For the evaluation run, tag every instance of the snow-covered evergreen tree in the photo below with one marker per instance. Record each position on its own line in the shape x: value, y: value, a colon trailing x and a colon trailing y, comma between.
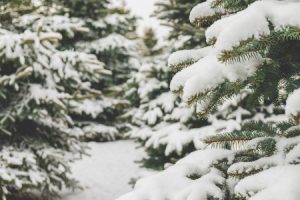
x: 113, y: 40
x: 169, y: 129
x: 106, y: 29
x: 111, y: 36
x: 253, y: 55
x: 161, y: 117
x: 174, y: 14
x: 39, y: 84
x: 157, y: 116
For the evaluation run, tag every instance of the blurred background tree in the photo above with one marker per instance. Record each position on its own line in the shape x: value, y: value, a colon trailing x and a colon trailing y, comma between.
x: 40, y: 83
x: 108, y: 30
x: 175, y: 14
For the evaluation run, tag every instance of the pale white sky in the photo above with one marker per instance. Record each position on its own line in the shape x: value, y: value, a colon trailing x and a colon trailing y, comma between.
x: 144, y: 8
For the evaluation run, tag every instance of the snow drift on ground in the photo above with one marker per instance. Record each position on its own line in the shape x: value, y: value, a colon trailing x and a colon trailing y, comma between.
x: 106, y: 173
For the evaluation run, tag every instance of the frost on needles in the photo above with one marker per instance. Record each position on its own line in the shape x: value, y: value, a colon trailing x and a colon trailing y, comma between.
x: 253, y: 54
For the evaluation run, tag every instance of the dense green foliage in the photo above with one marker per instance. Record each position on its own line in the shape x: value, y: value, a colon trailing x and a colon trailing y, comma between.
x: 257, y: 142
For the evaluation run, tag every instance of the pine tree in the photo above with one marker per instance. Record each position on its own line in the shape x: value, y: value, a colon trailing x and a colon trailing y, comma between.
x: 108, y: 31
x: 156, y: 112
x: 39, y: 83
x: 148, y: 91
x: 170, y: 130
x: 174, y: 14
x: 253, y: 54
x: 113, y: 40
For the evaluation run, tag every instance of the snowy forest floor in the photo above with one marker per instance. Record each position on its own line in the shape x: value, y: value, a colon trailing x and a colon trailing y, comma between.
x: 106, y: 173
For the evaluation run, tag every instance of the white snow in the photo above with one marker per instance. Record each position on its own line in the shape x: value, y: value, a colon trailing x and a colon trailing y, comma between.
x: 91, y: 107
x: 172, y: 130
x: 149, y: 85
x: 253, y: 22
x: 192, y: 56
x: 105, y: 175
x: 203, y: 10
x: 208, y: 73
x: 38, y: 93
x: 175, y: 182
x: 293, y: 103
x: 112, y: 41
x: 152, y: 116
x: 274, y: 184
x: 281, y: 181
x: 96, y: 130
x: 55, y: 23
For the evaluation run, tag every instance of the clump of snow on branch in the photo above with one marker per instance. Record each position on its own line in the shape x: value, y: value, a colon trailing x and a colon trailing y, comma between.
x: 99, y: 132
x: 112, y: 41
x: 208, y: 72
x: 176, y: 182
x: 204, y: 10
x: 187, y: 56
x: 273, y: 184
x: 292, y: 107
x: 253, y: 22
x: 201, y: 76
x: 57, y: 23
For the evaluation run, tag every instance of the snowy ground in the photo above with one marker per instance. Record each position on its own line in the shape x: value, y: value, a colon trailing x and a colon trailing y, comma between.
x: 105, y: 175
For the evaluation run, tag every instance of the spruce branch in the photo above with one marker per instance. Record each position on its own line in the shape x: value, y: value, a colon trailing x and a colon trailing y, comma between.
x: 235, y: 139
x: 293, y: 131
x: 205, y: 21
x: 260, y: 126
x: 253, y: 47
x: 180, y: 66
